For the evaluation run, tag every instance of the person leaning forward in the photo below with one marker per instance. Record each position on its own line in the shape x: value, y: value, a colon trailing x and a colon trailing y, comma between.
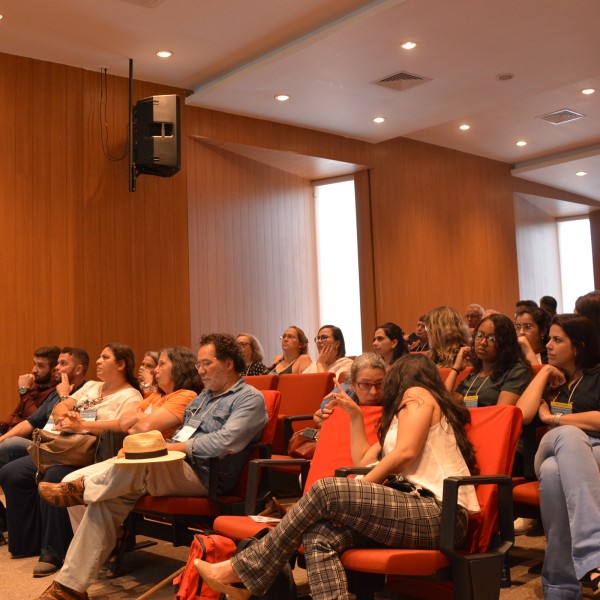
x: 222, y: 421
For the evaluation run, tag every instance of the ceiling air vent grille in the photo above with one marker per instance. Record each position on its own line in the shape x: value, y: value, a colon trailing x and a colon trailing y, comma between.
x: 559, y: 117
x: 402, y: 81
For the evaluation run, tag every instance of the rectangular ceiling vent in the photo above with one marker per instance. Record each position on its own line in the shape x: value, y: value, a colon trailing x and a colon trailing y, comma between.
x: 402, y: 81
x: 145, y: 3
x: 559, y: 117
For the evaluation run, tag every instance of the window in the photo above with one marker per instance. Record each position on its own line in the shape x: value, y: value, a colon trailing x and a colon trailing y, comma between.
x: 576, y: 266
x: 337, y: 254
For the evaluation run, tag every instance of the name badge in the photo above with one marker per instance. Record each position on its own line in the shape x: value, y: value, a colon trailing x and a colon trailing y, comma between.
x: 49, y: 426
x: 88, y: 415
x: 186, y: 432
x: 561, y: 408
x: 471, y: 401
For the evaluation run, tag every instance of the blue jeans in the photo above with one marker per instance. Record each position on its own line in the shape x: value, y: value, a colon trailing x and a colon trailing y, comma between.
x: 13, y: 447
x: 566, y: 464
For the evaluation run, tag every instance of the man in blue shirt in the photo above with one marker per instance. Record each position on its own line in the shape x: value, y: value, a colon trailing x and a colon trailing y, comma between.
x: 221, y: 422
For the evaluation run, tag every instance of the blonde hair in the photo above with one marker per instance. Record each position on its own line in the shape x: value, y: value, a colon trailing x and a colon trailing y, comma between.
x: 447, y: 334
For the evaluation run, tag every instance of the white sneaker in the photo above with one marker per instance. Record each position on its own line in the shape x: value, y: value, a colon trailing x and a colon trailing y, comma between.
x: 522, y: 526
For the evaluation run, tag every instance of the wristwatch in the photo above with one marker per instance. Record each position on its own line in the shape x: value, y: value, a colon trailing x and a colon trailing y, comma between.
x: 23, y: 390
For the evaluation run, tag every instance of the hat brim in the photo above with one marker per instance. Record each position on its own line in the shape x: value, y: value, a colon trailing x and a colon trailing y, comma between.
x: 172, y: 455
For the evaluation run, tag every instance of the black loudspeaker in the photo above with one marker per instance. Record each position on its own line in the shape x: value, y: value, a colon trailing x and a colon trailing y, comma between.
x: 157, y: 134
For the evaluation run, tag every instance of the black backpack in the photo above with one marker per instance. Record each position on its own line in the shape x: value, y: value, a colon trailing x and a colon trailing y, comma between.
x: 284, y: 587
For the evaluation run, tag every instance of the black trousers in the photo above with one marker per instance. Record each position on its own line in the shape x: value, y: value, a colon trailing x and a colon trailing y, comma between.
x: 34, y: 526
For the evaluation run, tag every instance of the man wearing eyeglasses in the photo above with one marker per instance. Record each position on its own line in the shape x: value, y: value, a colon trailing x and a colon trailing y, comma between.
x: 221, y: 422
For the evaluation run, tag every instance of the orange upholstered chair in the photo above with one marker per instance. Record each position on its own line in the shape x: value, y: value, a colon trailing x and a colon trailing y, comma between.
x: 169, y: 517
x: 301, y: 395
x: 263, y: 382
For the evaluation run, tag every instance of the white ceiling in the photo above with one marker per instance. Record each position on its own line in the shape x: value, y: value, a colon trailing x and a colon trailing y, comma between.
x: 237, y: 54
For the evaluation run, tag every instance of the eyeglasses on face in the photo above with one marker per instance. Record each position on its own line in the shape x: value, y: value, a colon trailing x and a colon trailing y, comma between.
x: 524, y: 326
x: 204, y: 364
x: 322, y: 338
x: 243, y: 344
x: 491, y: 339
x: 472, y: 316
x: 288, y: 336
x: 365, y: 386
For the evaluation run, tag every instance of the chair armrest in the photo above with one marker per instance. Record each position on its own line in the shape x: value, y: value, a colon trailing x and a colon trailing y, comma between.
x: 345, y: 471
x: 266, y: 463
x: 288, y: 429
x: 450, y: 507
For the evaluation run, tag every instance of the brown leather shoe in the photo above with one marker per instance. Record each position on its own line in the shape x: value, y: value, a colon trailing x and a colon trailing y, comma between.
x: 57, y: 591
x: 67, y: 493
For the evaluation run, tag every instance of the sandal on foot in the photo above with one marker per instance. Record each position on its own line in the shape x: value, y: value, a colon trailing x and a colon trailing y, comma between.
x: 115, y: 560
x: 205, y: 570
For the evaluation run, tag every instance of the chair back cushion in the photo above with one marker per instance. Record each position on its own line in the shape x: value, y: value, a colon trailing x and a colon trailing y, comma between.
x: 262, y: 382
x: 272, y: 404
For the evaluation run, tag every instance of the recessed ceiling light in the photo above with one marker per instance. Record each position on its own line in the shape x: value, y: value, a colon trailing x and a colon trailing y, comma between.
x: 464, y: 127
x: 378, y: 119
x: 164, y: 53
x: 408, y: 45
x: 581, y: 173
x: 521, y: 143
x: 282, y: 97
x: 588, y: 91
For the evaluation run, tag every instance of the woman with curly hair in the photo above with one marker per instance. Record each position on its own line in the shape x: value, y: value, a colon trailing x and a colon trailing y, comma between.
x: 447, y: 334
x: 294, y: 358
x: 500, y: 371
x: 422, y: 437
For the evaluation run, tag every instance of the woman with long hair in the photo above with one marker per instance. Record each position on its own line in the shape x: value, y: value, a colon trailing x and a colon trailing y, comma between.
x: 447, y: 334
x: 389, y: 342
x: 565, y: 394
x: 421, y: 437
x: 500, y: 371
x: 253, y: 354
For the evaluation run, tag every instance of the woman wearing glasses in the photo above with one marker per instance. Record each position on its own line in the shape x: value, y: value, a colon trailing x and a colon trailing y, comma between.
x: 500, y: 371
x: 332, y: 352
x: 294, y: 358
x: 252, y: 353
x: 364, y: 386
x: 533, y: 326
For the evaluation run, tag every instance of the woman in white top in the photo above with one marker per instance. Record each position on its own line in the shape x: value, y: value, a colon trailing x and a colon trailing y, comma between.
x: 332, y: 352
x: 421, y: 437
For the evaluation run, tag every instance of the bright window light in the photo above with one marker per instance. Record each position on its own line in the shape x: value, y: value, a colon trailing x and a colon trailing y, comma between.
x: 576, y: 267
x: 337, y: 252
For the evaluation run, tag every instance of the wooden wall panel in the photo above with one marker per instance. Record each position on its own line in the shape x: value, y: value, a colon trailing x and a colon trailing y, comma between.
x: 537, y: 252
x: 83, y: 260
x: 252, y: 247
x: 595, y: 236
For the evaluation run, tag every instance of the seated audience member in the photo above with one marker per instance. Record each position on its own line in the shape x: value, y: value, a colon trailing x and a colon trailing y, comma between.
x: 447, y: 334
x: 421, y: 343
x: 35, y: 526
x: 178, y: 383
x: 34, y: 387
x: 549, y: 304
x: 71, y: 369
x: 588, y: 305
x: 533, y: 326
x: 364, y: 386
x: 295, y: 358
x: 500, y: 372
x: 421, y: 436
x: 473, y: 316
x: 565, y: 394
x: 332, y: 352
x: 252, y: 353
x: 146, y: 372
x: 389, y: 343
x: 227, y: 416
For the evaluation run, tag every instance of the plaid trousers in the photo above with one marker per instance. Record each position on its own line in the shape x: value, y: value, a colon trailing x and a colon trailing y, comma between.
x: 334, y: 515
